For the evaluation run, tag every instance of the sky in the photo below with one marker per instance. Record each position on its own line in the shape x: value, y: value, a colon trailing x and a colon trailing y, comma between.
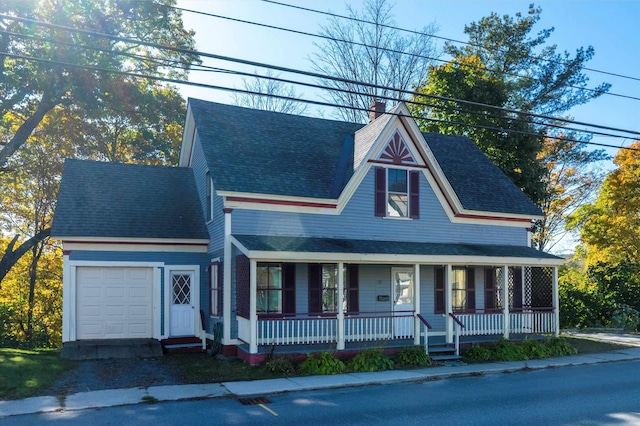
x: 611, y: 27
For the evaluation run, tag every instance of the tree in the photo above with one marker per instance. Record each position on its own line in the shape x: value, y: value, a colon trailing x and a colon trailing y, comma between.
x: 571, y: 178
x: 375, y: 53
x: 269, y: 94
x: 504, y: 66
x: 32, y: 87
x: 122, y: 117
x: 539, y: 79
x: 468, y: 78
x: 609, y: 226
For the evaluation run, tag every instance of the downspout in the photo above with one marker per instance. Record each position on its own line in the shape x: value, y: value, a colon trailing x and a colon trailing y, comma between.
x: 416, y: 305
x: 449, y: 302
x: 226, y: 289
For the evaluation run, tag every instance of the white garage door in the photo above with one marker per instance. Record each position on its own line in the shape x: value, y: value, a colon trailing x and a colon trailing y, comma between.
x: 114, y: 303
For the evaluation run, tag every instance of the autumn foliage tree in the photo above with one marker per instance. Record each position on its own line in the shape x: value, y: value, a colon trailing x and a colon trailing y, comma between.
x: 64, y: 58
x: 609, y: 226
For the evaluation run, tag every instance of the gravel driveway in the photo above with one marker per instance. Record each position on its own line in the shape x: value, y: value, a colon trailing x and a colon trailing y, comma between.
x: 116, y: 373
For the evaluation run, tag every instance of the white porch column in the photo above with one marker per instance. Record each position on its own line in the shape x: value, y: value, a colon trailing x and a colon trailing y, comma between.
x: 416, y: 304
x: 505, y: 300
x: 449, y: 301
x: 556, y: 301
x: 226, y: 279
x: 340, y: 301
x: 253, y: 315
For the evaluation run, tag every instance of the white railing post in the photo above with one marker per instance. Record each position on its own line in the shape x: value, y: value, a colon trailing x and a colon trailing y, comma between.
x: 457, y: 327
x: 253, y: 315
x: 340, y: 317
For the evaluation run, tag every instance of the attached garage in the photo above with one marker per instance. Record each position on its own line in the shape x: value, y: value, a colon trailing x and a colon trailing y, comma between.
x: 114, y: 302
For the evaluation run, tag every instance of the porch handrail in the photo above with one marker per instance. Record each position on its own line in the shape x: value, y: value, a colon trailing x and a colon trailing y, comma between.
x: 456, y: 320
x: 459, y: 325
x: 427, y: 327
x: 424, y: 321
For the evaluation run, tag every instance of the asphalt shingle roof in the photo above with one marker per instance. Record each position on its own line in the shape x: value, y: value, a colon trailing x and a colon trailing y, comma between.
x: 479, y: 184
x: 331, y: 245
x: 263, y: 152
x: 270, y: 153
x: 100, y: 199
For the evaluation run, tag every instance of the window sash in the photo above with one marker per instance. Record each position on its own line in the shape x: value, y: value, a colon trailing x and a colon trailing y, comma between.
x: 215, y: 290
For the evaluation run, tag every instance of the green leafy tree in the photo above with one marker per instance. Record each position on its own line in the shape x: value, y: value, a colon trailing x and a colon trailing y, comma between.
x: 468, y: 78
x: 506, y: 65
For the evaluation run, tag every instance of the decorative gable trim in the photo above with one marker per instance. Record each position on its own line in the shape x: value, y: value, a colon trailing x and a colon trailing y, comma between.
x: 396, y: 152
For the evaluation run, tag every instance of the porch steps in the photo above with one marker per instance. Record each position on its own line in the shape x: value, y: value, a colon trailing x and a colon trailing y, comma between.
x: 181, y: 345
x: 443, y: 352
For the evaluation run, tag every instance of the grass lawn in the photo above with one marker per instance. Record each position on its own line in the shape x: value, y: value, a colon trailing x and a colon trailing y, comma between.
x: 24, y: 373
x: 588, y: 346
x: 201, y: 368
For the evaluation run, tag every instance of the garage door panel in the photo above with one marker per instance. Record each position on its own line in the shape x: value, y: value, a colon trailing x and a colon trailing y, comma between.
x: 114, y: 302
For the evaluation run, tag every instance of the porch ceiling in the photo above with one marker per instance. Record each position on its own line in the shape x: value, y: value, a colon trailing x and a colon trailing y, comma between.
x: 323, y: 249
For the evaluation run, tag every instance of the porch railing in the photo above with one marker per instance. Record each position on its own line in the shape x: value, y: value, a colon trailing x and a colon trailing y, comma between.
x: 311, y: 329
x: 532, y: 321
x: 526, y: 321
x: 297, y: 330
x: 367, y: 326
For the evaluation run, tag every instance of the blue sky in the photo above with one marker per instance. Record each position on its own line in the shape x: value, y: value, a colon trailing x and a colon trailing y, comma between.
x: 609, y: 26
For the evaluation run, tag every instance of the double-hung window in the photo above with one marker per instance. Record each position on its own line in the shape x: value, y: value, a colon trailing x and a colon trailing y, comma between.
x: 397, y: 192
x: 215, y: 289
x: 269, y: 287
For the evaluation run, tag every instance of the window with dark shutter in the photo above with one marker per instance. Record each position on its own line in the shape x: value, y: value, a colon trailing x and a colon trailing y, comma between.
x: 243, y: 291
x: 353, y: 304
x: 471, y: 289
x: 439, y: 290
x: 315, y: 288
x: 414, y: 194
x: 380, y: 192
x: 489, y: 289
x: 215, y: 289
x: 289, y: 288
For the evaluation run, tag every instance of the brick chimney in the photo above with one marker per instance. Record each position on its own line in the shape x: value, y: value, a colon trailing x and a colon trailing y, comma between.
x: 376, y: 109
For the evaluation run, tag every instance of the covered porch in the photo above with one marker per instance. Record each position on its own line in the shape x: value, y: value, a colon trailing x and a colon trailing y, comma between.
x: 336, y: 295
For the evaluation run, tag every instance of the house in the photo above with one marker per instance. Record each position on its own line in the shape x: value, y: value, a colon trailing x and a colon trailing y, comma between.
x: 290, y: 234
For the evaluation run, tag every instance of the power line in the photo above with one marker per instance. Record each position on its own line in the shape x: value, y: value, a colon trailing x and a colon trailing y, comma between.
x: 317, y: 75
x: 435, y: 36
x: 385, y: 49
x: 203, y: 68
x: 309, y: 101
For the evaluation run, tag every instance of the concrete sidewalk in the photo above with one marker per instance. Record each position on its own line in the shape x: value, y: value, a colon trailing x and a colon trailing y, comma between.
x: 115, y: 397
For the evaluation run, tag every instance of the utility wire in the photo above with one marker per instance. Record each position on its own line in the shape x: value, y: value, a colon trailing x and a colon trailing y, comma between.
x: 385, y: 49
x: 289, y: 98
x: 314, y: 74
x: 435, y: 36
x: 204, y: 68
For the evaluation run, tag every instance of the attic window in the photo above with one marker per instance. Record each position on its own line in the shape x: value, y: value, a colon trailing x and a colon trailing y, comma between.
x: 397, y: 193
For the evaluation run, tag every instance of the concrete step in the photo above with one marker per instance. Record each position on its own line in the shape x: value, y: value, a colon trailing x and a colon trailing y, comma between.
x: 182, y: 345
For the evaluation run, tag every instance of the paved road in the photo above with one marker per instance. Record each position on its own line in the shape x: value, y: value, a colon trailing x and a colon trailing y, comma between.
x: 599, y: 394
